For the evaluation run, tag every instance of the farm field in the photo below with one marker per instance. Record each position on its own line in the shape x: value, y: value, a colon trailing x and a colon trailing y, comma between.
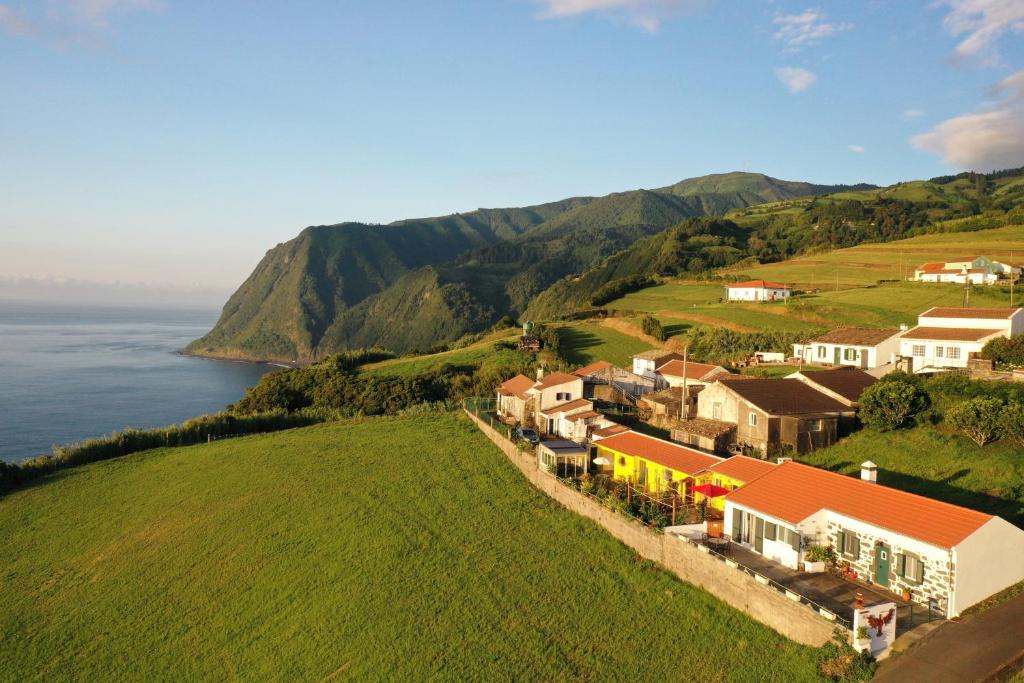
x: 930, y: 461
x: 473, y: 354
x: 584, y: 343
x: 868, y: 263
x: 394, y: 548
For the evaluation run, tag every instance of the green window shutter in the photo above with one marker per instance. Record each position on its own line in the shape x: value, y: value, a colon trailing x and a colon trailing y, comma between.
x: 901, y: 565
x: 840, y: 542
x: 856, y: 547
x: 737, y: 524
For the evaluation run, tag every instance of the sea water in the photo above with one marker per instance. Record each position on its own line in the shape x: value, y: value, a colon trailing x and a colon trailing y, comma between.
x: 68, y: 373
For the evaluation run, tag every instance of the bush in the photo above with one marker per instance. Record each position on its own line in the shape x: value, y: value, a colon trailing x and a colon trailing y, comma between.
x: 614, y: 289
x: 1011, y: 422
x: 1005, y: 352
x: 652, y: 326
x: 891, y: 404
x: 821, y: 553
x: 719, y: 345
x: 978, y: 419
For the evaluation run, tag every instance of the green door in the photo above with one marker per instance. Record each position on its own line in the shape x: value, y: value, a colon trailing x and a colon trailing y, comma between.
x: 882, y: 555
x: 758, y: 534
x: 836, y: 355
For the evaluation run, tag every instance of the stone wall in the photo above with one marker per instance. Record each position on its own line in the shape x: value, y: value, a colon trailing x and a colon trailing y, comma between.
x: 682, y: 558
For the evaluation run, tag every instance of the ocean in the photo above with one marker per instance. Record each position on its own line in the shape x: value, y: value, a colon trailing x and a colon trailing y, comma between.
x: 68, y: 373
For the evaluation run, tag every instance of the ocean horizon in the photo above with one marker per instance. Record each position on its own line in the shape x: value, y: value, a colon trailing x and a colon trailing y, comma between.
x: 74, y: 372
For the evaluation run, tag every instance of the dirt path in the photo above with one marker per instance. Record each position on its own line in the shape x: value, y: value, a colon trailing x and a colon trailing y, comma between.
x: 705, y: 320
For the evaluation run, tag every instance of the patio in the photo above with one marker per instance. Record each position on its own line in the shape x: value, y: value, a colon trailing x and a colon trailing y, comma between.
x: 832, y: 592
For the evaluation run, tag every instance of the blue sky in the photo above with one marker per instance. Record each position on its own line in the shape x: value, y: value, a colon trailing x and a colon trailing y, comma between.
x: 170, y: 143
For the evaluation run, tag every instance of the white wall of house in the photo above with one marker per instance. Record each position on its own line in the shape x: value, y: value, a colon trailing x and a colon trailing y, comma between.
x: 1011, y: 326
x: 939, y: 354
x: 987, y: 561
x: 559, y: 393
x: 756, y: 294
x: 960, y: 278
x: 644, y: 367
x: 854, y: 356
x: 676, y: 381
x: 777, y: 551
x: 715, y: 402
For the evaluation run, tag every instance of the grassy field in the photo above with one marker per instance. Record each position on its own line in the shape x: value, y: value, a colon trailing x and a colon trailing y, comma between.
x: 473, y: 354
x: 387, y: 549
x: 583, y: 343
x: 929, y: 461
x: 868, y: 263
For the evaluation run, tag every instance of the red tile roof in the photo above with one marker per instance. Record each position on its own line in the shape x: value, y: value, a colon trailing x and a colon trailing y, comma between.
x: 969, y: 313
x: 932, y: 267
x: 949, y: 333
x: 665, y: 453
x: 583, y: 416
x: 610, y: 430
x: 566, y: 407
x: 674, y: 368
x: 516, y: 386
x: 793, y: 492
x: 593, y: 368
x: 742, y: 467
x: 758, y: 283
x: 855, y: 336
x: 554, y: 379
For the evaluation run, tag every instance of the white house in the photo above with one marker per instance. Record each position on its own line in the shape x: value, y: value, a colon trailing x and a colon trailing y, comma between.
x: 853, y: 346
x: 757, y: 290
x: 646, y: 363
x: 978, y: 270
x: 603, y: 372
x: 945, y: 555
x: 524, y: 400
x: 945, y: 338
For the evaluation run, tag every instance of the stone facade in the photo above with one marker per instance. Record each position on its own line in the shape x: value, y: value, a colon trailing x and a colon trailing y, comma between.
x: 938, y: 575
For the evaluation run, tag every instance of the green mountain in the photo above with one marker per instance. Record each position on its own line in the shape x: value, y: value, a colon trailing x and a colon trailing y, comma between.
x: 415, y: 283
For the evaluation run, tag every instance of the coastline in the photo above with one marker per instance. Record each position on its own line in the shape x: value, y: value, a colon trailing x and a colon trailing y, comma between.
x: 240, y: 358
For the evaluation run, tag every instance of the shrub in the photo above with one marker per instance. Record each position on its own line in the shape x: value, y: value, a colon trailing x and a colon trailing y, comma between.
x: 652, y: 326
x: 1005, y: 352
x: 1011, y: 422
x: 821, y: 553
x: 614, y: 289
x: 978, y: 419
x: 891, y: 404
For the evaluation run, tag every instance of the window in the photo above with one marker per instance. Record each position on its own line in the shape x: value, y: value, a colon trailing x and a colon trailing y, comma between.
x: 848, y: 544
x: 753, y: 419
x: 938, y: 352
x: 716, y: 411
x: 563, y: 396
x: 792, y: 537
x: 953, y: 352
x: 622, y: 461
x: 770, y: 530
x: 910, y: 567
x: 821, y: 352
x: 918, y: 350
x: 849, y: 354
x: 814, y: 425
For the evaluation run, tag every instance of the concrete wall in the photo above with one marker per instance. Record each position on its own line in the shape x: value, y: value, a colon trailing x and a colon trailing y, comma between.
x: 685, y: 560
x: 987, y: 561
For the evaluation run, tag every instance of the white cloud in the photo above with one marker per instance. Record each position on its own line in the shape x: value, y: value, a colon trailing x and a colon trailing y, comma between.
x: 644, y: 14
x: 910, y: 114
x: 859, y: 149
x: 986, y: 140
x: 798, y: 30
x: 982, y: 23
x: 67, y: 23
x: 795, y: 78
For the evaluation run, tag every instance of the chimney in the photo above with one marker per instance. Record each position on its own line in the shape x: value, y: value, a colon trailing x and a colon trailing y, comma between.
x: 540, y: 372
x: 869, y: 472
x: 903, y: 327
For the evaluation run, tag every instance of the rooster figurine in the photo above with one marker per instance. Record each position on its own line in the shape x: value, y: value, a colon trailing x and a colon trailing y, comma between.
x: 882, y: 620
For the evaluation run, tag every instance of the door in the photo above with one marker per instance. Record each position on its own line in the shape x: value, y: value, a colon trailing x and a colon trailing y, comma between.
x: 835, y: 354
x: 882, y: 557
x: 758, y: 534
x: 641, y: 474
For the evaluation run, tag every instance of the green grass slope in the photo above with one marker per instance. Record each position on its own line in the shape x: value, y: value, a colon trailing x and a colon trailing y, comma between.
x: 391, y: 549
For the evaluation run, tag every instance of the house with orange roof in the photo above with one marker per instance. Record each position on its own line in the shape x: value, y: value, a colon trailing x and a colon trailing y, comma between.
x: 524, y: 401
x: 654, y: 464
x: 513, y: 399
x: 946, y: 338
x: 942, y: 554
x: 978, y: 270
x: 714, y: 483
x: 603, y: 373
x: 757, y: 290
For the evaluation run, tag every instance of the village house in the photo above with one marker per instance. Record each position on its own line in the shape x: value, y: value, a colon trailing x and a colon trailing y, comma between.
x: 757, y: 290
x: 524, y: 401
x: 654, y: 464
x: 773, y: 415
x: 851, y: 346
x: 696, y: 376
x: 603, y: 379
x: 646, y: 363
x: 979, y: 270
x: 844, y: 384
x: 944, y: 555
x: 563, y: 458
x: 605, y: 432
x: 945, y: 338
x: 726, y: 476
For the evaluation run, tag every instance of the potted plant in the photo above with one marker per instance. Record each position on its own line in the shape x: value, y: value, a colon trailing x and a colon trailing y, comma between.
x: 906, y: 595
x: 817, y: 557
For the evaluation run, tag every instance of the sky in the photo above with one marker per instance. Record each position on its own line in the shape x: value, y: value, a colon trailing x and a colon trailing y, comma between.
x: 164, y: 145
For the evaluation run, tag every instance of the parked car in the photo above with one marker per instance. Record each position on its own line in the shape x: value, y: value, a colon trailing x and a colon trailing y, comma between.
x: 528, y: 435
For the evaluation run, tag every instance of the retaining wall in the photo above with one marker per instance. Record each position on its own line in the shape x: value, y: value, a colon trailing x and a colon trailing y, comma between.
x: 685, y: 560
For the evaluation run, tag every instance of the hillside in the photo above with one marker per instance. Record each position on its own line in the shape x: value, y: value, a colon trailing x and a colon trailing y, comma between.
x: 322, y: 291
x: 402, y: 548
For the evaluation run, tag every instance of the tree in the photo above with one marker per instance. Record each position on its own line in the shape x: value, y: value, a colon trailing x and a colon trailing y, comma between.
x: 891, y: 404
x: 1011, y: 422
x: 978, y: 419
x: 652, y: 326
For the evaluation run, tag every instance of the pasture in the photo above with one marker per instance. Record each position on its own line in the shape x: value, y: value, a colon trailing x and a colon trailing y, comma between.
x: 381, y: 549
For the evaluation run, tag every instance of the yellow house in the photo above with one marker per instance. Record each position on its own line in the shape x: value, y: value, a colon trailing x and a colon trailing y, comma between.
x: 725, y: 476
x: 654, y: 464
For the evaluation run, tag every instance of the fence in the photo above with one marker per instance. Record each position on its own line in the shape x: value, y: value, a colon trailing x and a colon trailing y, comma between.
x: 742, y: 590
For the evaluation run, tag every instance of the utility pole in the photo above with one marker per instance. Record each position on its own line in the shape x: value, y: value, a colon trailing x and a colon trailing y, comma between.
x: 685, y: 410
x: 1012, y: 279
